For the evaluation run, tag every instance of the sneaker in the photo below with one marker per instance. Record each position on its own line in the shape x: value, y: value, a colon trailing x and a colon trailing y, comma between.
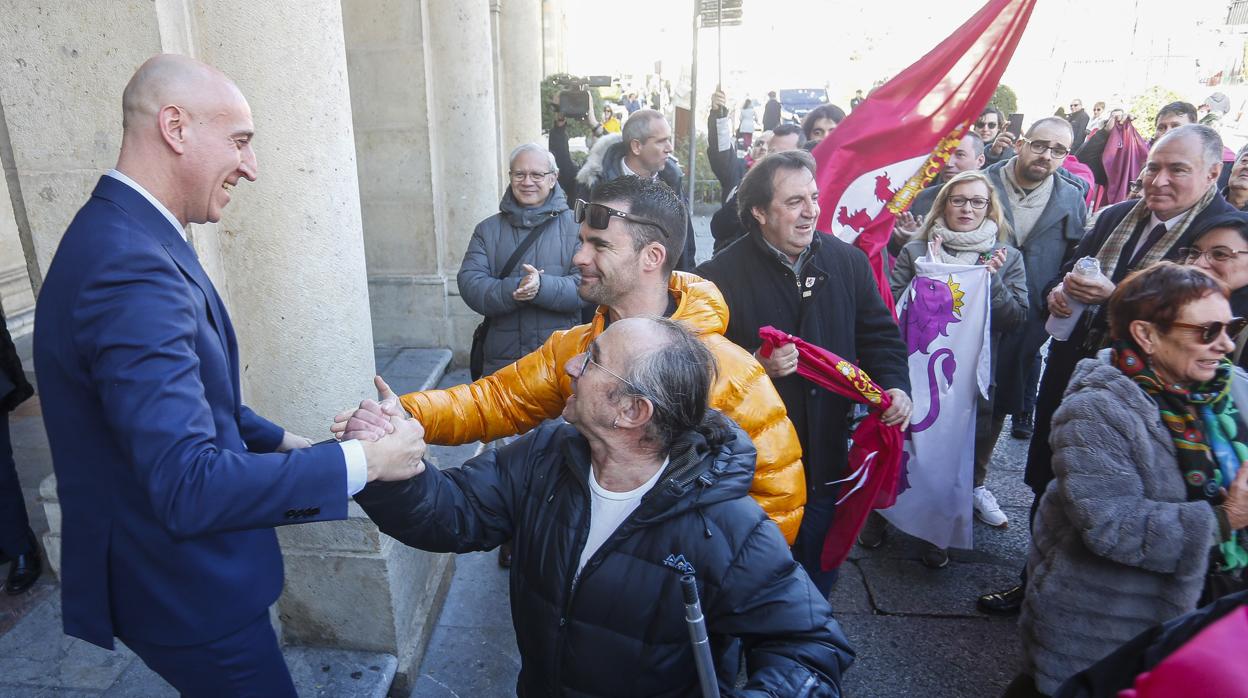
x: 1002, y: 603
x: 873, y: 532
x: 935, y: 557
x: 1024, y: 427
x: 987, y: 509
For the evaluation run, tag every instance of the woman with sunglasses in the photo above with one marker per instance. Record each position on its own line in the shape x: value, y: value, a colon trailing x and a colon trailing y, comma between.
x: 1149, y: 495
x: 1222, y: 250
x: 968, y: 225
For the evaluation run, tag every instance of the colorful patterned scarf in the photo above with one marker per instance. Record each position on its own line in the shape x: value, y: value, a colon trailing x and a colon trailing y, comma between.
x: 1209, y: 433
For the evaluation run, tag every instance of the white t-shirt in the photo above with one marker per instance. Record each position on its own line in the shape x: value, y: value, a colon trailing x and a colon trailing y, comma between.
x: 607, y: 510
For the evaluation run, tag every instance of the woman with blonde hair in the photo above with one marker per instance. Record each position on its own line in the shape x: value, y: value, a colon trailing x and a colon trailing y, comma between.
x: 968, y: 225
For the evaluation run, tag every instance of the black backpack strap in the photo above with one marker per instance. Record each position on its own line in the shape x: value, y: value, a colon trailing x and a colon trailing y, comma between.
x: 523, y: 247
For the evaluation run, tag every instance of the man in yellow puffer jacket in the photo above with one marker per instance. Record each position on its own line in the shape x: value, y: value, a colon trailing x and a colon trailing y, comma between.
x: 626, y: 269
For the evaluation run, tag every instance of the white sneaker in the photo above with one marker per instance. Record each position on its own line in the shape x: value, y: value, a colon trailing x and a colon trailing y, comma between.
x: 987, y: 509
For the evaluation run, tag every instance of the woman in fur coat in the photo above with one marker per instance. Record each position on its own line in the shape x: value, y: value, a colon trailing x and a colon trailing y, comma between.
x: 1147, y: 447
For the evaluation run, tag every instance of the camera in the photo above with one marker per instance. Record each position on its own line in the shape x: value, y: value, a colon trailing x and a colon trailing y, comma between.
x: 574, y: 100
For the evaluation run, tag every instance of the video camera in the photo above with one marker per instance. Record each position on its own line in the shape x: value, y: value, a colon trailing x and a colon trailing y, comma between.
x: 574, y: 99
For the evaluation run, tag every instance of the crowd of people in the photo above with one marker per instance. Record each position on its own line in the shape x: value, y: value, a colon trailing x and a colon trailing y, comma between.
x: 640, y: 432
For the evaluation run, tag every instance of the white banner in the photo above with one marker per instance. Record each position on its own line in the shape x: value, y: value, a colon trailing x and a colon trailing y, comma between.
x: 945, y: 323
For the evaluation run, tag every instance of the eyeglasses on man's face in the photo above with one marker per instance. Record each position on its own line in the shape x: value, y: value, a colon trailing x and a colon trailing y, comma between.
x: 1217, y: 255
x: 519, y: 177
x: 599, y: 216
x: 976, y: 202
x: 1039, y: 147
x: 992, y: 125
x: 589, y: 359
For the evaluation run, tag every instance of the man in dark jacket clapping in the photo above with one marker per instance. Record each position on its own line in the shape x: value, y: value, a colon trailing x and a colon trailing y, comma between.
x: 644, y: 484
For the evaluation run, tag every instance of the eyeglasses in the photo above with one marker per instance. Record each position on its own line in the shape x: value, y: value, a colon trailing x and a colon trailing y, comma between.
x: 1217, y: 254
x: 519, y: 177
x: 589, y: 359
x: 1038, y: 147
x: 987, y: 124
x: 599, y: 216
x: 1211, y: 331
x: 976, y: 203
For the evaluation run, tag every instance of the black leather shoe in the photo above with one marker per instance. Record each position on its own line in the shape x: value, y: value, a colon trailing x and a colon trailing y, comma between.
x: 1002, y: 603
x: 24, y: 570
x: 1023, y: 427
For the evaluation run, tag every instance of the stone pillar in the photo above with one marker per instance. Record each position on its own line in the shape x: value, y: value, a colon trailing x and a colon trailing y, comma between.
x: 520, y: 72
x: 422, y: 95
x: 15, y: 290
x: 292, y: 252
x: 466, y: 179
x: 60, y: 102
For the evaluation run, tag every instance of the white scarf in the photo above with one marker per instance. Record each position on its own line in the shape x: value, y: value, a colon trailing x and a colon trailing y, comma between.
x: 967, y: 247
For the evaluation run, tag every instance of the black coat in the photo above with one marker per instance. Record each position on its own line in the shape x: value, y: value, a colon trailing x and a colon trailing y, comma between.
x: 771, y: 115
x: 1079, y: 125
x: 726, y: 225
x: 1091, y: 332
x: 14, y: 389
x: 844, y: 314
x: 619, y: 629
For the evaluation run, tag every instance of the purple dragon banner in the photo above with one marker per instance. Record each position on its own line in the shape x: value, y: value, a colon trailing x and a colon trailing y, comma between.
x: 945, y: 323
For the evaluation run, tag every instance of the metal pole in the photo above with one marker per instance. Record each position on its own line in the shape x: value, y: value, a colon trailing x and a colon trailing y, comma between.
x: 697, y: 635
x: 719, y: 42
x: 691, y: 175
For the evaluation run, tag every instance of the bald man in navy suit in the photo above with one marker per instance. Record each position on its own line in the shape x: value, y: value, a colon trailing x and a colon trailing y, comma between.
x: 170, y: 487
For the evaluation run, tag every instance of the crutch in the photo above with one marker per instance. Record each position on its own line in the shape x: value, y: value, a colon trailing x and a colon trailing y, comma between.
x: 697, y: 635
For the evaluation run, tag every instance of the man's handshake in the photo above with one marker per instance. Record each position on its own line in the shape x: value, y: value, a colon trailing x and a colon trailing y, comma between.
x: 394, y: 445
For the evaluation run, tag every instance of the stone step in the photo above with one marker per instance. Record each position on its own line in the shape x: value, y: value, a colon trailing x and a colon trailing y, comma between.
x: 36, y: 658
x: 409, y: 369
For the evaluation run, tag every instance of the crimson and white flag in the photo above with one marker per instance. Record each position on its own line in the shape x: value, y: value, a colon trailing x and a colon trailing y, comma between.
x: 899, y: 138
x: 946, y: 326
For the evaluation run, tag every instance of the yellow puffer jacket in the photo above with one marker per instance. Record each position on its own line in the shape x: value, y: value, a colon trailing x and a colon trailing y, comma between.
x: 522, y: 395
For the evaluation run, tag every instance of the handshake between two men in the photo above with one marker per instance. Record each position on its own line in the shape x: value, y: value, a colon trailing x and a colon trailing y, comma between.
x: 394, y: 444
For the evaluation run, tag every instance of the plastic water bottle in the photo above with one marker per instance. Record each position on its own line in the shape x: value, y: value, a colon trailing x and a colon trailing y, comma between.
x: 1060, y: 328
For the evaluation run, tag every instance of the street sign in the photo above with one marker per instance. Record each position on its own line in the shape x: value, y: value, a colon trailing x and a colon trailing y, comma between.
x: 716, y: 13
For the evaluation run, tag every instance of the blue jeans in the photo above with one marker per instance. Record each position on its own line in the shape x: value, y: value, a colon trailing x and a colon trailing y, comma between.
x: 808, y: 548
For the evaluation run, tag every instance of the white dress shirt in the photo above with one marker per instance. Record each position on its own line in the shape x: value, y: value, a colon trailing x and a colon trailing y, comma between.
x: 352, y: 451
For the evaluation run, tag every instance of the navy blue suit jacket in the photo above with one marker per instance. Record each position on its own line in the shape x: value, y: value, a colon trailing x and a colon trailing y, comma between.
x: 168, y: 484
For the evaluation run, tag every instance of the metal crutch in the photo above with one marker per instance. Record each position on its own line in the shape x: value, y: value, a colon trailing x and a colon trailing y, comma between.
x: 697, y: 635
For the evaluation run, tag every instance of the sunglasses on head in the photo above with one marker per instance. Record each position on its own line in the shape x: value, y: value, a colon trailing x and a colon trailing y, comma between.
x: 599, y: 216
x: 1211, y: 331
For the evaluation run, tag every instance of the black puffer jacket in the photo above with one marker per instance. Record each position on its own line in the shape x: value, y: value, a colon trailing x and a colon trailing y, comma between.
x: 620, y: 630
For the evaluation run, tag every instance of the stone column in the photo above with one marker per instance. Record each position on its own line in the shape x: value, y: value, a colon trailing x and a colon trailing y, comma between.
x: 292, y: 254
x: 464, y: 144
x: 60, y: 103
x: 520, y: 72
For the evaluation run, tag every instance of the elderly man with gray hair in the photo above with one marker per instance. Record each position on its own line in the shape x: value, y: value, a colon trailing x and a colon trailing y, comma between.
x: 642, y: 485
x: 1236, y: 190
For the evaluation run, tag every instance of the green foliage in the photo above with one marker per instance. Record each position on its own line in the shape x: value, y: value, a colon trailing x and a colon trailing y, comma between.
x: 1145, y: 107
x: 551, y: 87
x: 707, y: 190
x: 1003, y: 98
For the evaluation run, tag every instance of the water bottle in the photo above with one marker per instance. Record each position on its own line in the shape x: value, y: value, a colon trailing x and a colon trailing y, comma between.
x: 1060, y: 328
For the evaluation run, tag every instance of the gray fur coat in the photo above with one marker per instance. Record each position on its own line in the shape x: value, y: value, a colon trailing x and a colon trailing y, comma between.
x: 1116, y: 546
